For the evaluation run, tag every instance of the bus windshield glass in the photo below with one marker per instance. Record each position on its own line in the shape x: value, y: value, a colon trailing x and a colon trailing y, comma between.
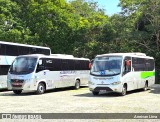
x: 107, y: 65
x: 23, y: 65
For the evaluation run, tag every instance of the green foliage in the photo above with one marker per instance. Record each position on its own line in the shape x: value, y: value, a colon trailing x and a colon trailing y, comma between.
x: 81, y: 28
x: 8, y: 21
x: 144, y: 16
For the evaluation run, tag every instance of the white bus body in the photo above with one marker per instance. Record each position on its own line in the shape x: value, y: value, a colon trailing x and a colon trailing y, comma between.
x: 47, y: 72
x: 121, y: 72
x: 9, y: 51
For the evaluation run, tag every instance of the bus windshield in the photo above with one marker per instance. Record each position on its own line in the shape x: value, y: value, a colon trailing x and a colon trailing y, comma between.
x: 23, y: 65
x: 107, y: 65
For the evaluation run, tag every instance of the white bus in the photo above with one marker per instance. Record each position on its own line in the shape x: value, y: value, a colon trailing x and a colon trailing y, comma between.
x: 39, y: 73
x: 9, y: 51
x: 121, y: 72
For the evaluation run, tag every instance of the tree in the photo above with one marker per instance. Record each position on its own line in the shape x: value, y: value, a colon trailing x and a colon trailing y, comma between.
x: 90, y: 29
x: 10, y: 27
x: 145, y: 32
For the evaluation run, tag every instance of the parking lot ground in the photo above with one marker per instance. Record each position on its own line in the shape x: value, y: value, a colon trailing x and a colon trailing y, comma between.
x: 69, y: 100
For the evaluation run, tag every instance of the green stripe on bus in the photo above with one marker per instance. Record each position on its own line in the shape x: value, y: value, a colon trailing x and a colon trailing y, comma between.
x: 147, y: 74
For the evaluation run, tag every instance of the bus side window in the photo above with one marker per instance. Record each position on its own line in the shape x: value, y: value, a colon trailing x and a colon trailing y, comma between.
x: 40, y: 66
x: 11, y: 50
x: 2, y: 49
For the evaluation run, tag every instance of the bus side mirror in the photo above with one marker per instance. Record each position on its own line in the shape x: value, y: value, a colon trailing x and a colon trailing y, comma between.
x: 40, y: 62
x: 90, y: 65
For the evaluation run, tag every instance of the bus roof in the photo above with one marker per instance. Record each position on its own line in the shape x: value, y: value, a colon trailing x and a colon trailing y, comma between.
x: 58, y: 56
x: 141, y: 55
x: 26, y: 45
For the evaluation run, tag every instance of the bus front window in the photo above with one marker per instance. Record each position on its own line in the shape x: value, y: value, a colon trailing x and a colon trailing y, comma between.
x: 23, y: 65
x: 107, y: 65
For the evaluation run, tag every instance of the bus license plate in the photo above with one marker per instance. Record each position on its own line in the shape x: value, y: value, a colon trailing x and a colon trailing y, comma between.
x: 103, y: 91
x: 17, y: 84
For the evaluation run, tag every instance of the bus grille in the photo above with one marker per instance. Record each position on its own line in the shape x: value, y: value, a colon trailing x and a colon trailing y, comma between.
x: 103, y: 88
x: 17, y: 83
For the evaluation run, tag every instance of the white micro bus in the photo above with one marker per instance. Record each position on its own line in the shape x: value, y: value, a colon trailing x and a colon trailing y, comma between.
x: 9, y: 51
x: 121, y: 72
x: 39, y: 72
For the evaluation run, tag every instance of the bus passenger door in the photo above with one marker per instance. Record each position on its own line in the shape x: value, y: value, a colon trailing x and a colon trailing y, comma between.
x: 127, y: 73
x: 51, y: 73
x: 43, y: 72
x: 40, y: 70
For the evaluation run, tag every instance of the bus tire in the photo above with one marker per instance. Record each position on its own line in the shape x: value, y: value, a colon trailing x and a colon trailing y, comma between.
x: 124, y: 90
x: 17, y: 91
x: 77, y: 84
x: 95, y: 93
x: 40, y: 89
x: 145, y: 86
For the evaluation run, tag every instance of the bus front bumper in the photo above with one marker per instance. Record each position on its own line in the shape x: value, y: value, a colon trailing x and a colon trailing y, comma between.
x: 26, y: 86
x: 107, y: 88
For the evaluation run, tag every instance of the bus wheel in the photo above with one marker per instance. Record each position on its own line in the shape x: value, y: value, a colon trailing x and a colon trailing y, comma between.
x: 40, y: 88
x: 17, y: 91
x: 95, y: 93
x: 124, y: 90
x: 77, y: 84
x: 145, y: 87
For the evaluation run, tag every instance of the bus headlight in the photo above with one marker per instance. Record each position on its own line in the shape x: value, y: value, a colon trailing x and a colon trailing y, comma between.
x: 115, y: 83
x: 27, y: 80
x: 8, y: 81
x: 91, y: 83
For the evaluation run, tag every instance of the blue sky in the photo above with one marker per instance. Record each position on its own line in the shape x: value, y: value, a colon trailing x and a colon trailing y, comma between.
x: 110, y: 6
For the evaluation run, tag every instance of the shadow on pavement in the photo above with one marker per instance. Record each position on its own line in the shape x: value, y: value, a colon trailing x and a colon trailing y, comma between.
x: 155, y: 89
x: 3, y: 90
x: 64, y: 89
x: 111, y: 94
x: 7, y: 93
x: 89, y: 94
